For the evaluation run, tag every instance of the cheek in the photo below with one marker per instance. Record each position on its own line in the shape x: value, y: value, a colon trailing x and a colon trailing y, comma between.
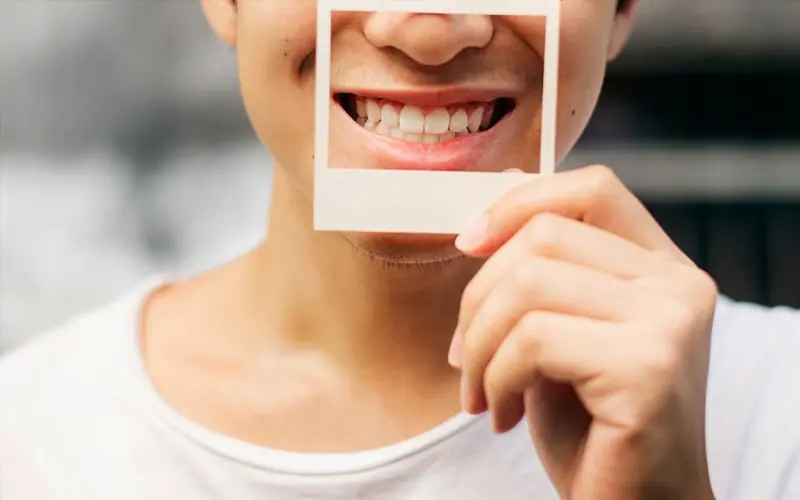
x: 582, y: 66
x: 278, y: 101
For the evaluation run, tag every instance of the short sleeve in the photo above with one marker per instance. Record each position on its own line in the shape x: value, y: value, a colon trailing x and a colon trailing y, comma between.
x: 753, y: 405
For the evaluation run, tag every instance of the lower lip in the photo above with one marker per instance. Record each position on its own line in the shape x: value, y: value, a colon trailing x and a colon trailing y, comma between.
x: 459, y: 154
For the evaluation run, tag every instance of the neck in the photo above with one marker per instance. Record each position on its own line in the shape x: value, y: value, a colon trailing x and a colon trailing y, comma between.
x: 326, y: 291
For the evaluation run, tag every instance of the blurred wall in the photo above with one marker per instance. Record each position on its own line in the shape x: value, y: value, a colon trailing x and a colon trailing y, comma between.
x: 124, y: 148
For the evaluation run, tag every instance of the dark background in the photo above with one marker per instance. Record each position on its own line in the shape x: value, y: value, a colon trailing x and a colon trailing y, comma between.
x: 749, y: 241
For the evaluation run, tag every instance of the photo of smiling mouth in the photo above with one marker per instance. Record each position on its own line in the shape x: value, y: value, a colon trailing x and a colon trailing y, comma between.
x: 424, y: 124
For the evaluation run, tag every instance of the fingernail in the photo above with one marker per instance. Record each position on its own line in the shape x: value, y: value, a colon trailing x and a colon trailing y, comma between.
x: 453, y: 357
x: 465, y: 389
x: 474, y: 235
x: 495, y: 424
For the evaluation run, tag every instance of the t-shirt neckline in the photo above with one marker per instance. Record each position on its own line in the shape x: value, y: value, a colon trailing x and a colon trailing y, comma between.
x: 274, y: 460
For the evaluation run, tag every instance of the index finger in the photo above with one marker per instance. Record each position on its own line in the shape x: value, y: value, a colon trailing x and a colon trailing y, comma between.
x: 593, y: 195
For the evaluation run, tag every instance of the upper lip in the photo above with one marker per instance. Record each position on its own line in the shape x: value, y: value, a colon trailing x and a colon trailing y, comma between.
x: 431, y: 97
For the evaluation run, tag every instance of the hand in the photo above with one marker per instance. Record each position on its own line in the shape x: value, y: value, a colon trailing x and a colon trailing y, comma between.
x: 590, y: 322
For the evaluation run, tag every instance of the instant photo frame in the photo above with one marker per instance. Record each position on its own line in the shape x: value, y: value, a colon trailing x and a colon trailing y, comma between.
x: 415, y: 201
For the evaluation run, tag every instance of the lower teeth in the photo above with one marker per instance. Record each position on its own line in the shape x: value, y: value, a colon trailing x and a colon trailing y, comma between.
x: 397, y: 133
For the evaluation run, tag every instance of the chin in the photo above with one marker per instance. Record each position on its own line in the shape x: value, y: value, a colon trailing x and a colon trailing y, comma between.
x: 406, y: 249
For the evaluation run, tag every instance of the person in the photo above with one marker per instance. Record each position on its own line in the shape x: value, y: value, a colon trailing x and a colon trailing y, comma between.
x: 561, y: 346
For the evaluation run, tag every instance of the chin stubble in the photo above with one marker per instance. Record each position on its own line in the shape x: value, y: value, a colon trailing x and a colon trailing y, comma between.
x: 411, y: 263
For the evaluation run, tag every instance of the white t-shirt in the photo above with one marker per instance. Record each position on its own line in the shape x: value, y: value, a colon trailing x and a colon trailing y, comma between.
x: 79, y: 420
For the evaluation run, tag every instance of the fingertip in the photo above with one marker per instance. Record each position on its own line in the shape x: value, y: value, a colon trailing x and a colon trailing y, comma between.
x: 454, y: 354
x: 476, y: 234
x: 472, y: 399
x: 507, y: 414
x: 466, y: 400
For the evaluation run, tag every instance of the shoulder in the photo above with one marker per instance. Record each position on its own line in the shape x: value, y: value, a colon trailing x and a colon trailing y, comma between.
x: 65, y: 398
x: 76, y: 365
x: 753, y: 403
x: 59, y: 356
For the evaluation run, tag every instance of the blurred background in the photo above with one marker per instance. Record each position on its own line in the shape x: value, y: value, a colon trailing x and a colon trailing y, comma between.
x: 125, y: 151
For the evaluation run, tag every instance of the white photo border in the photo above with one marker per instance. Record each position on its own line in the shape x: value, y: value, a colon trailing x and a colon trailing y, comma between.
x: 404, y: 201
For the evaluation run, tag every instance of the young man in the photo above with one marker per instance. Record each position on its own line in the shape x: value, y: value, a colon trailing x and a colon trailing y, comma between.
x: 316, y: 366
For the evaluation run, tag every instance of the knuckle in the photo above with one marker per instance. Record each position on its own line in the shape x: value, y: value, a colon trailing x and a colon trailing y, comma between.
x: 702, y: 289
x: 543, y: 235
x: 680, y: 317
x: 529, y: 338
x: 705, y: 284
x: 604, y: 182
x: 681, y: 313
x: 527, y: 274
x: 603, y: 174
x: 699, y: 288
x: 663, y: 360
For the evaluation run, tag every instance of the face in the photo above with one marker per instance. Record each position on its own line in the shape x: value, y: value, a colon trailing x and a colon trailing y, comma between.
x: 414, y: 91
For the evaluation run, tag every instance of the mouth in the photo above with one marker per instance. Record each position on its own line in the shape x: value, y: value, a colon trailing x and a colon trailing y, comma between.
x: 426, y: 125
x: 413, y: 132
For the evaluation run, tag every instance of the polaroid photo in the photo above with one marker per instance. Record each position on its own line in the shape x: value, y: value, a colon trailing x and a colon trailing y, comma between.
x: 359, y: 199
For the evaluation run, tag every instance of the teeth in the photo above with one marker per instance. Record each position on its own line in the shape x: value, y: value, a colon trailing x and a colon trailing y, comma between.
x: 475, y: 120
x: 487, y: 117
x: 389, y: 116
x: 437, y: 122
x: 412, y: 124
x: 373, y: 111
x: 383, y: 128
x: 459, y: 121
x: 412, y: 120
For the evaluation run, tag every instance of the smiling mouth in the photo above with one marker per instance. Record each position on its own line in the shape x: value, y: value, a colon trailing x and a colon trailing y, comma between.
x: 426, y: 125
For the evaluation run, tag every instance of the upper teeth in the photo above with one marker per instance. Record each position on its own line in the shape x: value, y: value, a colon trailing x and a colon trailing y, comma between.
x: 418, y: 125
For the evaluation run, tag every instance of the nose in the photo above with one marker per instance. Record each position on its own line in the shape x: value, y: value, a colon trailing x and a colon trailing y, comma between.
x: 429, y: 39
